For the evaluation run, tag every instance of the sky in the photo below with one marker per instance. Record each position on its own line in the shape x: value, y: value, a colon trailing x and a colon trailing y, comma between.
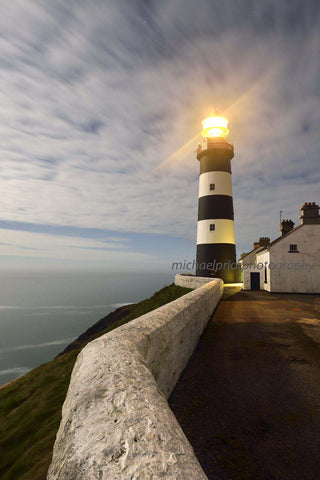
x: 101, y: 103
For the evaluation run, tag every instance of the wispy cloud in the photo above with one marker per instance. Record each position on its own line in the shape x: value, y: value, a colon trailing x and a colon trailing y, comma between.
x: 40, y: 245
x: 95, y: 95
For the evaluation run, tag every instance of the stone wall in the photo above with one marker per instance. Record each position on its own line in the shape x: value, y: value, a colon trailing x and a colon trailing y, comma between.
x: 116, y: 423
x: 191, y: 281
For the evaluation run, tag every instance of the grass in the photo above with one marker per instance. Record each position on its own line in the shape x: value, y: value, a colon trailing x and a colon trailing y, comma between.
x: 30, y: 407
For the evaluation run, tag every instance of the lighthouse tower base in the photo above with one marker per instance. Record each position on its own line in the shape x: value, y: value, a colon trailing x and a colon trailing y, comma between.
x: 217, y: 260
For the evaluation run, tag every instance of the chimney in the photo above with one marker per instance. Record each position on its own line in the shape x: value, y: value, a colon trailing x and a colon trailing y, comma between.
x: 263, y: 242
x: 286, y: 227
x: 310, y: 214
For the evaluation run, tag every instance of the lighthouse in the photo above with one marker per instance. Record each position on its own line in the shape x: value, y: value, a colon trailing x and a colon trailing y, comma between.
x: 216, y: 249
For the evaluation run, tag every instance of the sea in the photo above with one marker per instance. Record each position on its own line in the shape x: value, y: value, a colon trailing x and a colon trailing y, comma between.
x: 42, y: 312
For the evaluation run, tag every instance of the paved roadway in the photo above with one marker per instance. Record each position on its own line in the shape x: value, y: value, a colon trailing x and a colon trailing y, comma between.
x: 249, y: 399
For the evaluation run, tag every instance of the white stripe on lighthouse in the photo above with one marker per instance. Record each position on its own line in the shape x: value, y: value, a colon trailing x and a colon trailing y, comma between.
x: 221, y: 181
x: 223, y: 231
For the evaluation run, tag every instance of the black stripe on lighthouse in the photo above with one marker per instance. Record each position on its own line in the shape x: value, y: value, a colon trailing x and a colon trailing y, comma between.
x: 212, y: 258
x: 215, y: 163
x: 215, y: 206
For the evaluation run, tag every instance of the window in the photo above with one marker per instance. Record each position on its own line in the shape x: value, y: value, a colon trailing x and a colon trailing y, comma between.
x: 212, y: 227
x: 293, y: 248
x: 265, y: 274
x: 212, y: 186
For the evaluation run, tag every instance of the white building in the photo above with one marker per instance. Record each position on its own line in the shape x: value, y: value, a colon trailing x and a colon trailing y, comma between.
x: 291, y: 263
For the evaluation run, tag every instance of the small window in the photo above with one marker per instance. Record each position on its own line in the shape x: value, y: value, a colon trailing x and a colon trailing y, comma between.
x: 212, y: 227
x: 293, y: 247
x: 212, y: 186
x: 265, y: 274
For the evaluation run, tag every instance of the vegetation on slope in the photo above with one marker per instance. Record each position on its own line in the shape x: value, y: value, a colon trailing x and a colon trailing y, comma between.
x: 30, y: 407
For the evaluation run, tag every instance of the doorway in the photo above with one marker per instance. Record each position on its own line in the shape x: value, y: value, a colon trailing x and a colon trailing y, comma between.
x: 255, y: 280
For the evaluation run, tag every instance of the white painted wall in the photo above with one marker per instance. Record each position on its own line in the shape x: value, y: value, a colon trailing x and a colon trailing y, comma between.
x: 303, y: 280
x: 223, y: 233
x: 249, y: 265
x: 246, y: 277
x: 287, y: 271
x: 263, y: 259
x: 221, y: 180
x: 116, y: 423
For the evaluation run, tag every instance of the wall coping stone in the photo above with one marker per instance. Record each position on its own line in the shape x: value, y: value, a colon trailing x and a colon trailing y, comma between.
x: 191, y: 281
x: 116, y: 422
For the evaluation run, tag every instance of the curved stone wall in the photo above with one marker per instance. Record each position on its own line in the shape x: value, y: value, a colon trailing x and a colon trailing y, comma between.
x: 191, y: 281
x: 116, y: 423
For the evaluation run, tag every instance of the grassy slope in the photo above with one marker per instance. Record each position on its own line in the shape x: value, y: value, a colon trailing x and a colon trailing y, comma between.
x: 30, y: 407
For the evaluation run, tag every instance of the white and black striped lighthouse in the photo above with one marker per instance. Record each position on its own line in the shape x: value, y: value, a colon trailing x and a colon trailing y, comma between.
x: 216, y: 249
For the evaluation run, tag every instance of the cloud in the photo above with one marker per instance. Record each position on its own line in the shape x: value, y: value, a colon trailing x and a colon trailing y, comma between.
x: 40, y: 245
x: 95, y: 95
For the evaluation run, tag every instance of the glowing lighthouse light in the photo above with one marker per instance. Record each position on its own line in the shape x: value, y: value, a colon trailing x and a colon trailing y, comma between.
x: 215, y: 126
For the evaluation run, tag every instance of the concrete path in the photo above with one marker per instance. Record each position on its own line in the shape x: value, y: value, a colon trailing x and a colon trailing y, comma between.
x: 249, y: 399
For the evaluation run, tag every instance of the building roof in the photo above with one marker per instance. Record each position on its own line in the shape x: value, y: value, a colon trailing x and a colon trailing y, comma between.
x: 266, y: 247
x: 281, y: 237
x: 256, y: 250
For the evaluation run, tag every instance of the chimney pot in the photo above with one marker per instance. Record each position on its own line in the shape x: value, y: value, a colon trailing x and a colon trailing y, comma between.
x: 264, y: 241
x: 286, y: 226
x: 310, y: 214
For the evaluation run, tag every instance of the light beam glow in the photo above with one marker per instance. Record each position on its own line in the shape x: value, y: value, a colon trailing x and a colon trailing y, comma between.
x: 215, y: 126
